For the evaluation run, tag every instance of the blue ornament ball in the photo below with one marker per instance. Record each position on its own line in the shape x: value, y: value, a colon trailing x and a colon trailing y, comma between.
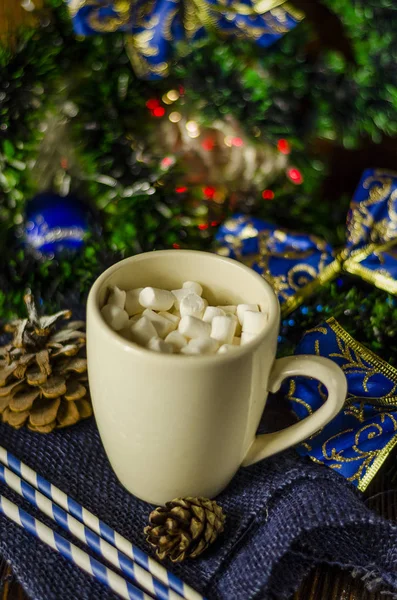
x: 54, y: 224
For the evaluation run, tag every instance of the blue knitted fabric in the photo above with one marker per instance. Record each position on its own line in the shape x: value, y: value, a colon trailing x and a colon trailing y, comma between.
x: 283, y: 516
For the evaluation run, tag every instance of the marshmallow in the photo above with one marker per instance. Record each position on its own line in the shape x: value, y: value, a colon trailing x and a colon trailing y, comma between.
x: 158, y: 345
x: 253, y: 322
x: 189, y: 350
x: 156, y: 299
x: 192, y: 305
x: 233, y: 317
x: 181, y: 321
x: 223, y: 329
x: 132, y: 305
x: 192, y: 327
x: 117, y: 297
x: 173, y: 318
x: 193, y: 286
x: 247, y: 337
x: 202, y: 345
x: 114, y: 316
x: 134, y: 319
x: 211, y: 312
x: 176, y: 339
x: 162, y: 325
x: 229, y: 309
x: 179, y: 295
x: 142, y: 331
x: 242, y: 308
x: 126, y: 331
x: 226, y: 348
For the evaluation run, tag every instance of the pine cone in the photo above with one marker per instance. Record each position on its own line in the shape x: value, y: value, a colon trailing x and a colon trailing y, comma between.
x: 43, y: 372
x: 184, y: 528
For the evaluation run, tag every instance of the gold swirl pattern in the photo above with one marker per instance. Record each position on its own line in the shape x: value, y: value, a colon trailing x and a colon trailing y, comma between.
x: 154, y: 27
x: 296, y: 264
x: 360, y: 438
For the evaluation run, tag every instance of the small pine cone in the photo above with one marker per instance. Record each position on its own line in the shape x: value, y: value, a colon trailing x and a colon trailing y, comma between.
x: 43, y: 372
x: 184, y: 528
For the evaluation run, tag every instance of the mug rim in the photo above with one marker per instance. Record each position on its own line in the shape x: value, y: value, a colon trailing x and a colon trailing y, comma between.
x: 199, y: 359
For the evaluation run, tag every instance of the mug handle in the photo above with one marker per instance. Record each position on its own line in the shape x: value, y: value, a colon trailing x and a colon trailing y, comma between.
x: 328, y: 373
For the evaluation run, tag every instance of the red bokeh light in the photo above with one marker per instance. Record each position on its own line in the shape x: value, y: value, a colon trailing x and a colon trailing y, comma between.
x: 159, y: 111
x: 237, y: 141
x: 208, y: 144
x: 176, y: 246
x: 181, y: 190
x: 181, y: 90
x: 167, y: 162
x: 209, y: 191
x: 284, y: 146
x: 295, y: 175
x: 152, y: 103
x: 267, y: 194
x: 203, y: 226
x: 214, y: 223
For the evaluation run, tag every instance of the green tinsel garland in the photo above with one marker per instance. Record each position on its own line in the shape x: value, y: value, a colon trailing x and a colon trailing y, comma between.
x: 134, y: 200
x: 289, y: 90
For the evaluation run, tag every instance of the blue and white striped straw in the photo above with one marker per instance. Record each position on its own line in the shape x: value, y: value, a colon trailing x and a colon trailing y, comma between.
x: 71, y: 552
x: 99, y: 527
x: 87, y: 536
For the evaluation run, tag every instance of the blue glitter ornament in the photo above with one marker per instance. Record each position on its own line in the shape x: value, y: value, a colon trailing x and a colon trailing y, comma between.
x: 55, y: 223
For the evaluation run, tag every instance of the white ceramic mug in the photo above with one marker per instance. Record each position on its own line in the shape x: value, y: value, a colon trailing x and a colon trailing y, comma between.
x: 177, y: 425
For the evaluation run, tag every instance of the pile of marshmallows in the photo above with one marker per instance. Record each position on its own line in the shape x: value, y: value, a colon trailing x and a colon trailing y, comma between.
x: 181, y: 321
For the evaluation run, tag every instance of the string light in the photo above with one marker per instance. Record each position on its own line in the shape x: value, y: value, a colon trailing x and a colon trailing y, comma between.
x: 28, y: 5
x: 159, y: 111
x: 167, y: 161
x: 152, y: 103
x: 284, y: 146
x: 203, y: 226
x: 165, y: 99
x: 267, y: 194
x: 173, y: 95
x: 295, y: 175
x: 181, y: 190
x: 191, y: 126
x: 209, y: 191
x: 193, y: 130
x: 237, y: 141
x: 208, y: 144
x: 176, y: 246
x: 175, y: 117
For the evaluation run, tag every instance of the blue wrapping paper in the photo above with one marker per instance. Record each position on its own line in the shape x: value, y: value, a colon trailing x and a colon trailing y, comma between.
x: 154, y: 28
x: 297, y: 263
x: 294, y: 263
x: 372, y: 230
x: 358, y: 440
